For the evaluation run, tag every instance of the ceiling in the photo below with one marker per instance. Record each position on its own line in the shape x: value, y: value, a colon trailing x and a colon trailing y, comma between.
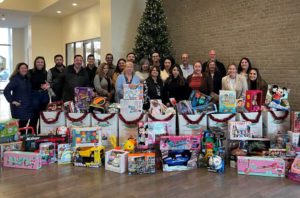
x: 18, y: 12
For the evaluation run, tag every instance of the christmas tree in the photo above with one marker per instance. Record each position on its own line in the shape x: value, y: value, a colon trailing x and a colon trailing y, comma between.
x: 152, y: 32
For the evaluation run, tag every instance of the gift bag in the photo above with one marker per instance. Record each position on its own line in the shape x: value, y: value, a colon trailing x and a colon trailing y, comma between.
x: 169, y: 118
x: 256, y: 126
x: 192, y: 124
x: 219, y: 122
x: 78, y: 119
x: 51, y: 120
x: 275, y: 122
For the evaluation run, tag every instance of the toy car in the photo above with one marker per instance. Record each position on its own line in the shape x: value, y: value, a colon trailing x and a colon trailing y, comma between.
x: 177, y: 158
x: 89, y: 156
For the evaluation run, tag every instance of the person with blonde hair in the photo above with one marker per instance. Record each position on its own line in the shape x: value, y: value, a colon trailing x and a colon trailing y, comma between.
x: 103, y: 83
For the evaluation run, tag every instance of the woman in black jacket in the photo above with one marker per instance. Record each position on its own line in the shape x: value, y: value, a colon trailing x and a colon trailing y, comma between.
x: 153, y: 87
x: 215, y: 76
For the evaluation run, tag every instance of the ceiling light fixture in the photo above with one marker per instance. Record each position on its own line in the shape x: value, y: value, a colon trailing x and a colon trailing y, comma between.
x: 74, y: 4
x: 1, y: 1
x: 58, y: 12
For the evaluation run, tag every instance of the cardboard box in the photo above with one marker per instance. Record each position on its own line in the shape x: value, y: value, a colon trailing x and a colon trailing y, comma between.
x: 273, y: 125
x: 295, y: 121
x: 192, y: 124
x: 91, y: 156
x: 131, y: 106
x: 116, y: 160
x: 65, y: 154
x: 171, y: 120
x: 12, y: 146
x: 256, y: 122
x: 8, y: 130
x: 227, y: 101
x: 253, y: 100
x: 133, y: 94
x: 83, y: 98
x: 86, y: 136
x: 26, y: 160
x: 141, y: 163
x: 47, y: 152
x: 51, y: 120
x: 294, y: 138
x: 239, y: 130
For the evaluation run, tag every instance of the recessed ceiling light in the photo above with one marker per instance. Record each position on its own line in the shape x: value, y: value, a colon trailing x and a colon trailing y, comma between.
x: 74, y: 4
x: 3, y: 18
x: 1, y: 1
x: 58, y: 12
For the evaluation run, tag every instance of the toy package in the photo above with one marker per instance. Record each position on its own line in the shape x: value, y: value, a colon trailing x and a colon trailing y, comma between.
x: 116, y: 160
x: 99, y: 104
x: 294, y: 173
x: 65, y: 154
x: 157, y: 107
x: 47, y: 152
x: 294, y: 138
x: 295, y: 121
x: 12, y: 146
x: 279, y: 141
x: 253, y: 100
x: 18, y: 159
x: 188, y: 142
x: 131, y: 106
x: 277, y: 98
x: 227, y: 101
x: 184, y: 107
x: 262, y: 166
x: 83, y: 98
x: 256, y: 120
x: 199, y: 101
x: 8, y: 130
x: 133, y: 94
x: 87, y: 136
x: 91, y: 156
x: 141, y: 163
x: 239, y: 130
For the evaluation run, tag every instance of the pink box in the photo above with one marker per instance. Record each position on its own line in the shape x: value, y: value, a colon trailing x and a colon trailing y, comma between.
x: 262, y: 166
x: 18, y: 159
x: 188, y: 142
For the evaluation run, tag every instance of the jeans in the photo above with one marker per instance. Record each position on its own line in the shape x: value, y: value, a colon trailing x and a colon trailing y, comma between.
x: 40, y: 100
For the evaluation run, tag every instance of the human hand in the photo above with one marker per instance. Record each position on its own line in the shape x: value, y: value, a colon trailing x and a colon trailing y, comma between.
x: 45, y: 86
x: 17, y: 104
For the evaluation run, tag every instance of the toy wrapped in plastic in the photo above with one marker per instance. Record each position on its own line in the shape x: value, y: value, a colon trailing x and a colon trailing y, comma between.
x: 8, y: 131
x: 200, y: 102
x: 277, y: 98
x: 83, y: 98
x: 184, y: 107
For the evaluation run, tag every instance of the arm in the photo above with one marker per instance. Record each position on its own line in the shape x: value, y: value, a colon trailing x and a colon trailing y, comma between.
x: 244, y: 86
x: 224, y: 83
x: 8, y: 89
x: 99, y: 89
x: 49, y: 77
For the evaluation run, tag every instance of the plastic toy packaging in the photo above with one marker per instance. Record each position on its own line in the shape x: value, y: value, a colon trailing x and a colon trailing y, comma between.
x: 277, y: 98
x: 216, y: 164
x: 47, y: 152
x: 294, y: 173
x: 201, y: 102
x: 116, y: 160
x: 91, y: 157
x: 141, y: 163
x: 184, y: 107
x: 8, y: 130
x: 83, y: 98
x: 239, y: 130
x: 253, y: 100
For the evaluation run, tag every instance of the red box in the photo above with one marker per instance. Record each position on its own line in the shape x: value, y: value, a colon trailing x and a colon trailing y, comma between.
x: 253, y: 100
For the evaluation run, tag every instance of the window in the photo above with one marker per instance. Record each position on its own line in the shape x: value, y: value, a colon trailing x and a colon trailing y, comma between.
x: 84, y: 48
x: 5, y: 53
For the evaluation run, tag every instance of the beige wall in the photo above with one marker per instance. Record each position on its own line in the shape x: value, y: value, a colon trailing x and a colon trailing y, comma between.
x: 18, y: 45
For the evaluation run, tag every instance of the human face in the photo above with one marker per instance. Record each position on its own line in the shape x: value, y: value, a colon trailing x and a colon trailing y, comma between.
x: 58, y: 61
x: 232, y: 71
x: 145, y: 67
x: 167, y: 64
x: 78, y: 61
x: 252, y: 75
x: 245, y: 65
x: 212, y: 55
x: 128, y: 68
x: 40, y: 64
x: 212, y: 67
x: 109, y: 59
x: 106, y: 69
x: 23, y: 70
x: 122, y: 65
x: 91, y: 60
x: 155, y: 57
x: 197, y: 68
x: 175, y: 72
x: 154, y: 73
x: 185, y: 59
x: 131, y: 57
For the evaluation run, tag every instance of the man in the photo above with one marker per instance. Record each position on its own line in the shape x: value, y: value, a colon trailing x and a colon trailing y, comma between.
x: 187, y: 69
x: 220, y: 66
x: 155, y: 57
x: 73, y: 76
x: 53, y: 73
x: 91, y: 69
x: 131, y: 58
x: 109, y: 58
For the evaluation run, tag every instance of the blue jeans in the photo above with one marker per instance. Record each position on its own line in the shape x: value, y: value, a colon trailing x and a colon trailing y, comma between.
x: 40, y: 100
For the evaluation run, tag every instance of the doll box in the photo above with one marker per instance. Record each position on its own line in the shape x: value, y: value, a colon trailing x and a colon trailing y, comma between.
x: 116, y: 160
x: 8, y: 130
x: 227, y: 101
x: 64, y: 154
x: 51, y: 120
x: 141, y: 163
x: 239, y: 130
x: 262, y: 166
x: 86, y: 136
x: 192, y: 124
x: 48, y: 153
x: 26, y: 160
x: 295, y: 121
x: 12, y: 146
x: 253, y: 100
x: 275, y: 122
x: 256, y: 122
x: 78, y: 119
x: 188, y: 142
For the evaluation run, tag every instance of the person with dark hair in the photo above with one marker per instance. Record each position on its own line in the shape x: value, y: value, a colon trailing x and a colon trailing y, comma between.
x: 119, y: 69
x: 40, y: 86
x: 131, y: 57
x: 103, y: 83
x: 175, y: 85
x: 215, y: 76
x: 56, y: 92
x: 18, y: 93
x: 167, y: 63
x: 220, y: 65
x: 73, y: 76
x: 187, y: 69
x: 109, y: 58
x: 244, y: 67
x: 91, y: 69
x: 143, y: 73
x: 155, y: 59
x: 153, y: 87
x: 255, y: 82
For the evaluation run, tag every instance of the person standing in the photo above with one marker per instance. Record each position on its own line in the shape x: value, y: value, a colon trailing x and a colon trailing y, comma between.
x: 244, y: 67
x: 187, y: 69
x: 168, y: 62
x: 120, y: 67
x: 131, y: 57
x: 256, y: 82
x: 109, y: 58
x: 155, y: 59
x: 103, y: 83
x: 143, y: 73
x: 91, y: 69
x: 220, y: 65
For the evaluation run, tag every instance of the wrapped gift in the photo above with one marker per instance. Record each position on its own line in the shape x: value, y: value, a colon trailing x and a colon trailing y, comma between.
x: 86, y: 136
x: 90, y: 157
x: 239, y: 130
x: 253, y: 100
x: 141, y: 163
x: 116, y: 160
x: 109, y: 126
x: 51, y: 120
x: 131, y: 106
x: 192, y: 124
x: 8, y: 130
x: 295, y: 121
x: 47, y: 151
x: 227, y: 101
x: 18, y: 159
x: 169, y: 118
x: 133, y: 94
x: 83, y: 98
x: 275, y: 122
x: 64, y: 154
x: 294, y: 138
x: 262, y: 166
x: 256, y: 126
x: 78, y: 119
x: 12, y: 146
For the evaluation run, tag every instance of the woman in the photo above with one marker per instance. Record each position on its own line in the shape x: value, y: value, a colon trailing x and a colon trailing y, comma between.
x: 143, y: 74
x: 153, y: 87
x: 18, y: 94
x: 168, y: 62
x: 103, y: 83
x: 127, y: 77
x: 119, y: 69
x: 244, y: 67
x: 175, y: 86
x: 215, y: 76
x: 198, y: 81
x: 235, y: 81
x: 255, y: 82
x: 39, y: 84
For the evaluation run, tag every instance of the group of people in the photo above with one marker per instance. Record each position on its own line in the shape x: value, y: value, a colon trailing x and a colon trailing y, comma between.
x: 30, y: 90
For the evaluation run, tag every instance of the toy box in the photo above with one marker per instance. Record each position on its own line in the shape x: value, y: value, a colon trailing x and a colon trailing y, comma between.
x: 294, y: 138
x: 227, y: 101
x: 83, y: 98
x: 239, y: 130
x: 295, y: 121
x: 275, y: 122
x: 279, y: 141
x: 116, y: 160
x: 253, y: 100
x: 133, y: 94
x: 78, y: 119
x: 192, y: 124
x: 91, y: 157
x: 141, y: 163
x: 131, y: 106
x: 65, y: 154
x: 51, y: 120
x: 256, y: 122
x: 262, y: 166
x: 47, y: 152
x: 18, y: 159
x: 277, y: 98
x: 8, y: 130
x: 32, y: 142
x: 12, y: 146
x: 86, y: 136
x: 188, y: 142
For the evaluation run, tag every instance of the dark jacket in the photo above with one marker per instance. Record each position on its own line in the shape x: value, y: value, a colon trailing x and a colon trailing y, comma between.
x: 91, y: 74
x: 152, y: 90
x: 37, y: 78
x: 216, y: 82
x: 19, y: 90
x: 53, y: 73
x: 219, y: 65
x: 70, y: 79
x: 173, y: 89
